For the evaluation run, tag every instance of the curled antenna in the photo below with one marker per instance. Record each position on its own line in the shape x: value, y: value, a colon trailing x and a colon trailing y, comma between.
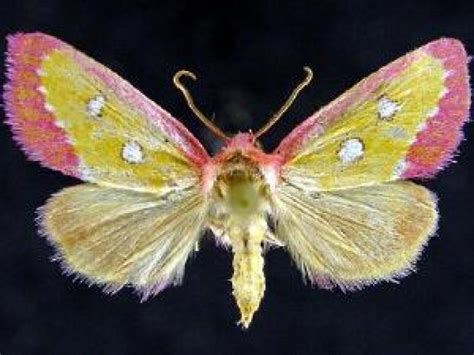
x: 189, y: 100
x: 277, y: 115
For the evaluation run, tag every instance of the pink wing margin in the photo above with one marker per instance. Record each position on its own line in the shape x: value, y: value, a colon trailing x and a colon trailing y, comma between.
x: 436, y: 143
x: 34, y: 126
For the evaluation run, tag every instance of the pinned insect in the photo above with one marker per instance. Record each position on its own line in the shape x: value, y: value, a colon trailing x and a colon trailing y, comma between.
x: 336, y: 189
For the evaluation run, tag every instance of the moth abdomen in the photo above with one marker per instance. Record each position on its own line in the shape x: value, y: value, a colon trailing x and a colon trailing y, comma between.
x: 248, y: 279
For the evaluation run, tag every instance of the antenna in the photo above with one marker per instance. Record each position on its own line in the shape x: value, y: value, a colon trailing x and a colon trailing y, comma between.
x: 189, y: 100
x: 277, y: 115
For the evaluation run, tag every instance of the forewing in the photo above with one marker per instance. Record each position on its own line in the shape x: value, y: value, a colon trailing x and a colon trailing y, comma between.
x: 117, y: 237
x: 401, y: 122
x: 355, y: 237
x: 76, y: 116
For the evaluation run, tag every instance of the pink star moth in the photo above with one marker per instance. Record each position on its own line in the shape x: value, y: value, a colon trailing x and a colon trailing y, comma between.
x: 336, y: 190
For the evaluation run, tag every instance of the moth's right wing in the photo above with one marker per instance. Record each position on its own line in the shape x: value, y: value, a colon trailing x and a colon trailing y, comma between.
x: 403, y: 121
x: 341, y: 209
x: 115, y: 237
x: 355, y: 237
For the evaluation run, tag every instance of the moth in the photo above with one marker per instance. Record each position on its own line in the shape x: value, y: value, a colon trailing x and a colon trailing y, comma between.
x: 336, y: 192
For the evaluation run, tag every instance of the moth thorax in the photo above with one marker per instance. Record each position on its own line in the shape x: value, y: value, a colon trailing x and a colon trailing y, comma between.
x: 241, y: 188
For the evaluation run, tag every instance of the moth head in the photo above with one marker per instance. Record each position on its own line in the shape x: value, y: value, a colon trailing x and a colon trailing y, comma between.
x: 239, y: 137
x: 243, y: 147
x: 242, y: 141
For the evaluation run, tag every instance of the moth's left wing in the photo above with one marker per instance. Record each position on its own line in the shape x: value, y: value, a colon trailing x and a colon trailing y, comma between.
x: 141, y: 220
x: 74, y: 115
x: 401, y: 122
x: 355, y: 237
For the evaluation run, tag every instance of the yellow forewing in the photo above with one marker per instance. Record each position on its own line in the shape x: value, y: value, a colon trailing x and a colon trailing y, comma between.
x: 100, y: 140
x: 74, y: 115
x: 368, y: 142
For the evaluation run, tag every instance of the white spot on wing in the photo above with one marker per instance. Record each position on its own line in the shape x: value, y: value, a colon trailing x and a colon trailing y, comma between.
x: 86, y: 173
x: 351, y: 150
x: 94, y: 106
x: 48, y: 107
x: 387, y: 108
x: 400, y: 168
x: 448, y: 73
x: 443, y: 93
x: 132, y: 152
x: 42, y: 90
x: 433, y: 112
x: 59, y: 123
x: 421, y: 126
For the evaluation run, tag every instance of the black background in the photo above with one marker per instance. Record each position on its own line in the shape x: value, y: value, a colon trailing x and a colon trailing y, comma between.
x: 248, y: 55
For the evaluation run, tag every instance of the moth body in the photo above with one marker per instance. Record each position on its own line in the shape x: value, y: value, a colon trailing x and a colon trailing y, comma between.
x: 240, y: 202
